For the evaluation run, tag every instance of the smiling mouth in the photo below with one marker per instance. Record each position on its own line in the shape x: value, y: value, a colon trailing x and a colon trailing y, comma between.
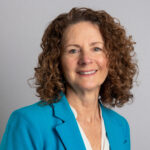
x: 87, y: 72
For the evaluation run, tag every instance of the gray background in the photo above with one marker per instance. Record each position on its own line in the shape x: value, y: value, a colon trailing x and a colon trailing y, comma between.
x: 22, y: 23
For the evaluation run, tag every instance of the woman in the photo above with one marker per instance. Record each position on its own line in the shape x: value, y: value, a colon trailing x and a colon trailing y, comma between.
x: 86, y: 67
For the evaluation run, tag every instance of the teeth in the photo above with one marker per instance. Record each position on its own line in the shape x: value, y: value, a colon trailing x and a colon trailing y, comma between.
x: 89, y: 72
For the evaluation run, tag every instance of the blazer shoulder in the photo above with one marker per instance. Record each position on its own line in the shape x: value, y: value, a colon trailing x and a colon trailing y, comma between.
x: 32, y: 113
x: 117, y: 125
x: 25, y: 124
x: 114, y: 116
x: 116, y: 119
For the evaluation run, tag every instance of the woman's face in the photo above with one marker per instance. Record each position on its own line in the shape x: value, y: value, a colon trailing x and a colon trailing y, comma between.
x: 83, y: 59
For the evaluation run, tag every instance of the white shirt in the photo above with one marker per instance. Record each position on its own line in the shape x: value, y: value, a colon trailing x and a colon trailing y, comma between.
x: 104, y: 140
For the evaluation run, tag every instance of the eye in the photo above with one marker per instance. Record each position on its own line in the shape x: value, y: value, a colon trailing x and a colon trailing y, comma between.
x: 97, y: 49
x: 72, y: 51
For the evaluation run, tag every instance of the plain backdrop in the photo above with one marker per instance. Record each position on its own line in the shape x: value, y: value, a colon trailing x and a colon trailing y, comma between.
x: 22, y: 23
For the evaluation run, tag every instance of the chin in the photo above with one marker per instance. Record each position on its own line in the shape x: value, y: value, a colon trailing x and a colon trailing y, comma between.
x: 89, y: 87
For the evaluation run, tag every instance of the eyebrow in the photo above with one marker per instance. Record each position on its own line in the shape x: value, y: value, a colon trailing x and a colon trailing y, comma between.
x: 91, y: 44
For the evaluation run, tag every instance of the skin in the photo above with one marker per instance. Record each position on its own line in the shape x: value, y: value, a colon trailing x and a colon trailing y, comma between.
x: 84, y: 51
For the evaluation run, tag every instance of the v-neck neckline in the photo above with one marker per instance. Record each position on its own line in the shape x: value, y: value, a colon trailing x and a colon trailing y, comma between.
x: 84, y: 137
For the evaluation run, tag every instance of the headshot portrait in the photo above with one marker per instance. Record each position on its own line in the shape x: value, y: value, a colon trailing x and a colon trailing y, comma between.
x: 86, y: 72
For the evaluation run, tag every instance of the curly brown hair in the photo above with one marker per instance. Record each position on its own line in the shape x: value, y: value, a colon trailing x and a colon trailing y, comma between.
x: 116, y: 89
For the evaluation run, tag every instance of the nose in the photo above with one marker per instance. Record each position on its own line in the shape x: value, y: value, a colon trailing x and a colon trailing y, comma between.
x: 85, y: 58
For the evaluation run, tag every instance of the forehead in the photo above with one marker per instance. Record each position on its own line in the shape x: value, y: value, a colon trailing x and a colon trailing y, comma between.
x: 83, y: 30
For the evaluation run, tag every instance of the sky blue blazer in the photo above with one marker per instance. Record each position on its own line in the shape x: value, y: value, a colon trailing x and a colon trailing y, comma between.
x: 54, y: 127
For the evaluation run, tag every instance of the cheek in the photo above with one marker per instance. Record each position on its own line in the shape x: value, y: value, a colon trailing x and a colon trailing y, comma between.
x: 103, y: 62
x: 67, y: 64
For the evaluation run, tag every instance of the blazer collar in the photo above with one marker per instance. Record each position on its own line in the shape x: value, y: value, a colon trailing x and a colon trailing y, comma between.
x: 67, y: 127
x: 112, y: 127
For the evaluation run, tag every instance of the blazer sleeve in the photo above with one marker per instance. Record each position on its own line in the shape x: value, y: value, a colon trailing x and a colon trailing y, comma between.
x: 127, y: 136
x: 20, y: 134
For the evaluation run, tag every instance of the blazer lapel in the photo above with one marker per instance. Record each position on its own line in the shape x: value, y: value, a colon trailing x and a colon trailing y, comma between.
x: 113, y: 131
x: 67, y: 128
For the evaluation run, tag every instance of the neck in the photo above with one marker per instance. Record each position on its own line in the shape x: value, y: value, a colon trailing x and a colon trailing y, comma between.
x: 85, y: 104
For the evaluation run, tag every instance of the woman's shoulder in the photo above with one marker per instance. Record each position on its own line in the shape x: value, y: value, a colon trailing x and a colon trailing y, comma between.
x: 116, y: 124
x: 35, y: 108
x: 26, y: 123
x: 114, y: 116
x: 36, y: 112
